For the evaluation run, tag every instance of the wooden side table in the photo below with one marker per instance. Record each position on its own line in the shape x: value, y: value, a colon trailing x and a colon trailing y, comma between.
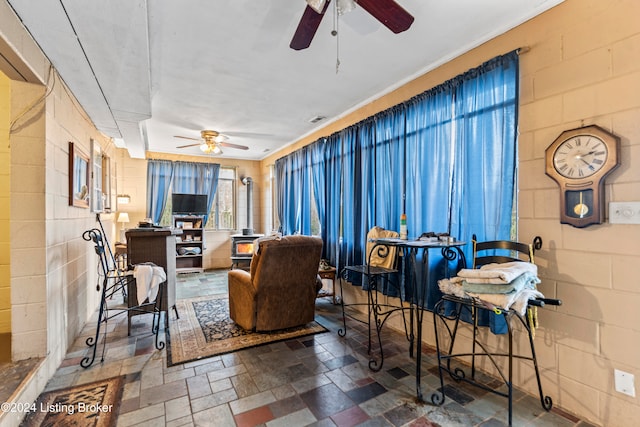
x: 329, y: 273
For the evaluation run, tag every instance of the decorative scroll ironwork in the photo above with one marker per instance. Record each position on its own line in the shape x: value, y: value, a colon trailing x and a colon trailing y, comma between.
x: 112, y: 282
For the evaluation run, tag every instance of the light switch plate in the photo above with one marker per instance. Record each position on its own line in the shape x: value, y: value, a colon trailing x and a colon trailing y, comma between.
x: 624, y: 382
x: 624, y: 212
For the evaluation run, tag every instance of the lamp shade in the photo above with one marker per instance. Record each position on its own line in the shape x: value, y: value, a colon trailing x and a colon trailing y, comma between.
x: 123, y: 217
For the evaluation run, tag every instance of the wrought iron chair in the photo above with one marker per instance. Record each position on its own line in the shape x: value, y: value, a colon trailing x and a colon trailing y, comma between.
x: 484, y: 253
x: 377, y: 272
x: 112, y: 280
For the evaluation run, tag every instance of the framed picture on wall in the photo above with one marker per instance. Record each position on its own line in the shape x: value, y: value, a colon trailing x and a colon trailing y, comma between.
x: 78, y: 177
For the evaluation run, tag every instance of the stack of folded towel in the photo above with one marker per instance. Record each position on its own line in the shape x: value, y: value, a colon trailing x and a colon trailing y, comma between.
x: 508, y: 285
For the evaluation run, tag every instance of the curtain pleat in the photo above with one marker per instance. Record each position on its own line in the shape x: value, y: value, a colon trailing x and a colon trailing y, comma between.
x: 331, y: 228
x: 159, y: 175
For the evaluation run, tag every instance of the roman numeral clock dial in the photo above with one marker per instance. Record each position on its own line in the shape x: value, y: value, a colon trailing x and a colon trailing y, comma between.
x: 579, y: 160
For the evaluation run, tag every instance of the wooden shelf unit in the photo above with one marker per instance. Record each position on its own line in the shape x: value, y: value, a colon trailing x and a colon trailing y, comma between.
x: 192, y: 236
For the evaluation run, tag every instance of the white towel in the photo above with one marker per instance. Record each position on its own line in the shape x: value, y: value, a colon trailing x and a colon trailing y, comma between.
x: 148, y: 278
x: 516, y: 300
x: 498, y: 273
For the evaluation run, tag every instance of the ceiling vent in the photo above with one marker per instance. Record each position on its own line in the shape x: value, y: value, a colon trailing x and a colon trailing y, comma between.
x: 316, y: 119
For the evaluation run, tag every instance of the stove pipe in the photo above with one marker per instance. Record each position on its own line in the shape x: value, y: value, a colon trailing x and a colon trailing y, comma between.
x: 249, y: 183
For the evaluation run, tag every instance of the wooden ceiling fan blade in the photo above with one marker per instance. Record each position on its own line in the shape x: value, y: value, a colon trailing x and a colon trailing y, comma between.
x: 187, y: 137
x: 230, y: 145
x: 389, y: 13
x: 307, y: 27
x: 189, y: 145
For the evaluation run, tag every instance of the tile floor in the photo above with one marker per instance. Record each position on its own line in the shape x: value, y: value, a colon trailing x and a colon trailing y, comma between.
x: 321, y: 380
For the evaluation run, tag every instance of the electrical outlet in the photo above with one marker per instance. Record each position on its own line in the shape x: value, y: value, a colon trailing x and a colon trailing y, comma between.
x: 624, y: 383
x: 624, y: 212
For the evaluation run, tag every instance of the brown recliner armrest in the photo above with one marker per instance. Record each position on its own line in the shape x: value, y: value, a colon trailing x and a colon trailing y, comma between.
x: 242, y: 299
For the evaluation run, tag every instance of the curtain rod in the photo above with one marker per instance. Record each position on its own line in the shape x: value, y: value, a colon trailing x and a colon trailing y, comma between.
x: 522, y: 50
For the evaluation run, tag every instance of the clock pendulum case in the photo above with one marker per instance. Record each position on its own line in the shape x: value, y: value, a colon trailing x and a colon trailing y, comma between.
x: 579, y: 160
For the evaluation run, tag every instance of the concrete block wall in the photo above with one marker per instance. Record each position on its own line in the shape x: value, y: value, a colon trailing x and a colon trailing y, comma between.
x: 5, y: 205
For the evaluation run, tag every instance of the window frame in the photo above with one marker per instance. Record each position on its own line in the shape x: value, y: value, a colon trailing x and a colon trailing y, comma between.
x: 214, y: 220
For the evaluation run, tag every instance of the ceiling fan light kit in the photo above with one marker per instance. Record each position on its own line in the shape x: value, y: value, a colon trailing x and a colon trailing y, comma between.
x: 211, y: 142
x: 210, y: 148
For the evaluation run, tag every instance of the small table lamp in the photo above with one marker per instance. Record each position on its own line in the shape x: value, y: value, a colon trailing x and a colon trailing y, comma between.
x: 123, y: 218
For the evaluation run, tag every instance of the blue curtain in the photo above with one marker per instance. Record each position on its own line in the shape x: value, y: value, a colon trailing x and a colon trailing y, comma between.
x: 196, y: 178
x: 317, y: 166
x: 445, y: 157
x: 304, y: 192
x: 333, y: 158
x: 159, y: 175
x: 429, y: 173
x: 354, y: 227
x: 390, y: 168
x: 294, y: 193
x: 485, y: 168
x: 486, y: 120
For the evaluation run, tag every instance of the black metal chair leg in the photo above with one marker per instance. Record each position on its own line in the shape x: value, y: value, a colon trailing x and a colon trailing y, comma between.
x: 545, y: 401
x: 343, y: 331
x: 93, y: 341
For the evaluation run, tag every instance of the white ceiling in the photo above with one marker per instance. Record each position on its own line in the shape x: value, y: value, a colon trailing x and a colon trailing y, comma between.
x: 146, y: 71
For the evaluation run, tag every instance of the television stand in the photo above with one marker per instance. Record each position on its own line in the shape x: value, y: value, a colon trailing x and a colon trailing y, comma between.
x: 190, y: 244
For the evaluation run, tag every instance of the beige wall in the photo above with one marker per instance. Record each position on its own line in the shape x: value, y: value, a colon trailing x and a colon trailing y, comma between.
x: 583, y: 68
x: 5, y: 204
x: 217, y: 243
x: 53, y: 270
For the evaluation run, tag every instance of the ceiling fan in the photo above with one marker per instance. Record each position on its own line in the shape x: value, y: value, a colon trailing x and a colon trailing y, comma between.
x: 388, y: 12
x: 211, y: 141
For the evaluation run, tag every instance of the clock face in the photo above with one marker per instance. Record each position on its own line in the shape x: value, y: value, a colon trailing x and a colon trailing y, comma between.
x: 580, y: 156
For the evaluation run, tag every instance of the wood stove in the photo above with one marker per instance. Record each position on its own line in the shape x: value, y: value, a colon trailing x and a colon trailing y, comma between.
x: 242, y: 246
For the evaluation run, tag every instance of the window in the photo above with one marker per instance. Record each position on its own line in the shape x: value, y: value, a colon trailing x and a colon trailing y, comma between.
x: 97, y: 197
x: 107, y: 188
x: 315, y: 219
x: 223, y: 210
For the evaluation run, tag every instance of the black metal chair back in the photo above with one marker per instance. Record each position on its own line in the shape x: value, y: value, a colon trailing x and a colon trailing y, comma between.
x: 501, y: 251
x: 95, y: 235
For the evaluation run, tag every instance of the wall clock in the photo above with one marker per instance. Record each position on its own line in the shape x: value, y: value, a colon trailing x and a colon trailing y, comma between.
x: 579, y: 160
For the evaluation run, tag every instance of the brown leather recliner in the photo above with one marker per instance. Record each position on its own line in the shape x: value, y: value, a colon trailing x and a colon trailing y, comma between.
x: 279, y: 291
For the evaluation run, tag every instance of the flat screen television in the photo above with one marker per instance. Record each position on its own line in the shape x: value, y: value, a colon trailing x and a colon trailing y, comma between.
x: 189, y: 204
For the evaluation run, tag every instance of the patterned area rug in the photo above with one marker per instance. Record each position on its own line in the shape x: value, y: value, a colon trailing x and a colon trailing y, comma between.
x: 95, y: 404
x: 205, y: 329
